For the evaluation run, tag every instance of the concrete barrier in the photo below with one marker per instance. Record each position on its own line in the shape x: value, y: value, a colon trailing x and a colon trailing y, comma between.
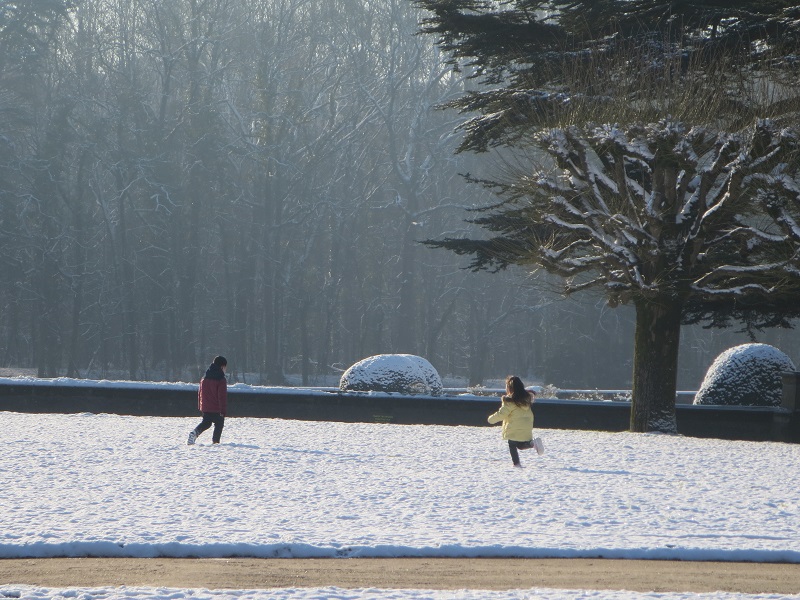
x: 180, y: 400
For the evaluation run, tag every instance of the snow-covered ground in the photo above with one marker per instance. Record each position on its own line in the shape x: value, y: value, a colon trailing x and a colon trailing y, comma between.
x: 330, y: 593
x: 107, y: 485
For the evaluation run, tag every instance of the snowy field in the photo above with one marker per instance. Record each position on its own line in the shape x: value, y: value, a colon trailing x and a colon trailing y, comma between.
x: 116, y: 486
x: 25, y: 592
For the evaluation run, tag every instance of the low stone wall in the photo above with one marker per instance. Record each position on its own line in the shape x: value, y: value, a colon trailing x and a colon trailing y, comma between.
x: 726, y: 422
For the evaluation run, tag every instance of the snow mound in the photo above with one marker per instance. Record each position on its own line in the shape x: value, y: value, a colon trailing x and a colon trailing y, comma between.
x: 398, y: 373
x: 746, y: 375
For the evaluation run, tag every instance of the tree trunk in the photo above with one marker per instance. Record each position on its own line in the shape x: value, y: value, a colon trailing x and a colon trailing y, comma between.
x: 48, y: 324
x: 478, y: 344
x: 655, y: 365
x: 405, y: 316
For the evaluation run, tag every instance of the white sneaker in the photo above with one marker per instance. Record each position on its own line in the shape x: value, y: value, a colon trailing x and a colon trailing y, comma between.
x: 537, y: 443
x: 192, y: 438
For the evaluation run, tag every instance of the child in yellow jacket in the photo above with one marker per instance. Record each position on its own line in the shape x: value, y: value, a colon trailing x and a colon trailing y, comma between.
x: 517, y: 417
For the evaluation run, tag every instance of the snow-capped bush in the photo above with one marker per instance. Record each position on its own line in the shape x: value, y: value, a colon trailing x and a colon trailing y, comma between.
x: 746, y: 375
x: 398, y: 373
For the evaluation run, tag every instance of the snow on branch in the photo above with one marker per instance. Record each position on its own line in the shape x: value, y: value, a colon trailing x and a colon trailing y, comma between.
x: 693, y: 215
x: 661, y: 206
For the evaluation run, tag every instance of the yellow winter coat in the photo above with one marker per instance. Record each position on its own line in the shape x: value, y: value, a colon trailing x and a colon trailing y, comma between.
x: 517, y: 421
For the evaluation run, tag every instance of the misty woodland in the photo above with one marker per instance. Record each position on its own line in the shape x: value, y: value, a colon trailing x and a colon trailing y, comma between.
x: 302, y: 184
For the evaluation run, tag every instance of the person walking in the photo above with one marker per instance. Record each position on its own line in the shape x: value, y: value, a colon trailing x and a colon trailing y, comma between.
x: 517, y: 417
x: 212, y: 400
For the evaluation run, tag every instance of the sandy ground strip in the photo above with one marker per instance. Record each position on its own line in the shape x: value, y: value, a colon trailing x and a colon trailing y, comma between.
x: 407, y: 573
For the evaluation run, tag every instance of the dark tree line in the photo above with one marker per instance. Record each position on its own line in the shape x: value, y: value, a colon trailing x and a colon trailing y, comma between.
x: 184, y: 178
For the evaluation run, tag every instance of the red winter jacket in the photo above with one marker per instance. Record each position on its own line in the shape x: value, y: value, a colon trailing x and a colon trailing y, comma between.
x: 213, y: 393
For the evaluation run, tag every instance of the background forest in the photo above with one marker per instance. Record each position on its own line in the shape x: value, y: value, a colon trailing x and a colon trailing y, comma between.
x: 197, y: 177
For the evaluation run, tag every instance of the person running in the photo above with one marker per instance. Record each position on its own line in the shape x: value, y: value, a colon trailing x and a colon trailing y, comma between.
x: 212, y: 400
x: 517, y: 417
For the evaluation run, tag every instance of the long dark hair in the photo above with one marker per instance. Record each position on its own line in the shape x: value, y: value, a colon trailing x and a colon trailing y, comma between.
x: 517, y: 392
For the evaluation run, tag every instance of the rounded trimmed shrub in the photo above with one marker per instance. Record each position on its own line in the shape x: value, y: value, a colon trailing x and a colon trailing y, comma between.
x: 394, y: 373
x: 746, y: 375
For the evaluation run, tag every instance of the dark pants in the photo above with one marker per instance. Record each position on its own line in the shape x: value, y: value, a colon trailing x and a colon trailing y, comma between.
x: 513, y: 446
x: 216, y: 419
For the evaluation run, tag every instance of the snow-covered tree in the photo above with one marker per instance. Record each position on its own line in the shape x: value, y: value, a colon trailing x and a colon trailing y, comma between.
x: 689, y: 217
x: 548, y: 62
x: 676, y: 222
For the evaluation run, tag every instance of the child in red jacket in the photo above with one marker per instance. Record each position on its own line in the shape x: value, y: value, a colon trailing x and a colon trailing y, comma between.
x: 212, y: 400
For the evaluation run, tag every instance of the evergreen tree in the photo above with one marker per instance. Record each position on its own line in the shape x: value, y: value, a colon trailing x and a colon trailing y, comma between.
x: 551, y: 63
x: 685, y: 221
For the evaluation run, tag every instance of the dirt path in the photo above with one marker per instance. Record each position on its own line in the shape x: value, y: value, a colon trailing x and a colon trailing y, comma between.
x: 420, y: 573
